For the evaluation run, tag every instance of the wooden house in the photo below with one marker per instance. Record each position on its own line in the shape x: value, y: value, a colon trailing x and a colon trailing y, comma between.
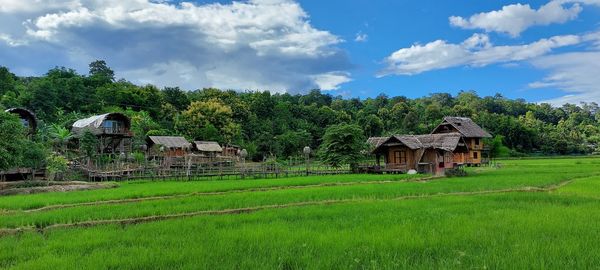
x: 168, y: 146
x: 27, y: 119
x: 231, y: 150
x: 472, y: 134
x: 111, y: 129
x: 208, y: 148
x: 433, y: 153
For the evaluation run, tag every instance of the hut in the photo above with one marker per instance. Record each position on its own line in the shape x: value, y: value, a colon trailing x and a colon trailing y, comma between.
x: 168, y: 146
x: 431, y: 153
x: 111, y: 129
x: 208, y: 148
x: 27, y: 119
x: 231, y: 150
x: 472, y: 134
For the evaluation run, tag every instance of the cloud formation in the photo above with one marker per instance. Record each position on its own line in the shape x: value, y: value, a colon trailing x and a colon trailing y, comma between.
x: 575, y: 72
x: 516, y: 18
x: 255, y: 44
x: 476, y: 51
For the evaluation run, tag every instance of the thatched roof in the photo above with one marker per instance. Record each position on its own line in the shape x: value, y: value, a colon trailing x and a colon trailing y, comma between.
x: 26, y: 115
x: 208, y: 146
x: 445, y: 141
x: 171, y: 142
x: 94, y: 123
x: 464, y: 125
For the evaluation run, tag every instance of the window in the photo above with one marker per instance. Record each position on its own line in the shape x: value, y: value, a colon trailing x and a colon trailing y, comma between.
x: 477, y: 142
x: 475, y: 155
x: 400, y: 157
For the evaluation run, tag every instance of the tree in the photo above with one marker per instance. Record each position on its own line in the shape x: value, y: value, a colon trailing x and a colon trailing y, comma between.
x: 100, y: 73
x: 34, y: 156
x: 176, y: 97
x: 60, y: 136
x: 342, y: 144
x: 12, y: 141
x: 88, y: 143
x: 7, y: 81
x: 192, y: 122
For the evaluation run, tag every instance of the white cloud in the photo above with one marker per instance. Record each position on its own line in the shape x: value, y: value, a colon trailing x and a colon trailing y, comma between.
x: 199, y: 45
x: 576, y: 73
x: 361, y: 37
x: 332, y: 80
x: 516, y: 18
x: 474, y: 51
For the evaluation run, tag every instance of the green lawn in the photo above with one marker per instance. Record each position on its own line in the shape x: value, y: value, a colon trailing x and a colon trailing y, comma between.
x: 490, y: 219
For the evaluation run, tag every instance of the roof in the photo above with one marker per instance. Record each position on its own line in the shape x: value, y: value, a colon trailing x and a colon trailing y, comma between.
x: 170, y: 141
x: 443, y: 141
x: 467, y: 127
x: 208, y: 146
x: 25, y: 114
x: 92, y: 121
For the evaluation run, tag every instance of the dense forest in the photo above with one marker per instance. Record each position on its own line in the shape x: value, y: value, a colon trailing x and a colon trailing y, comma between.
x: 280, y: 125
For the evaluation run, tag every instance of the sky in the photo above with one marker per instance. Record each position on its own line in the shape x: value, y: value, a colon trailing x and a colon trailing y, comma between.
x: 542, y: 51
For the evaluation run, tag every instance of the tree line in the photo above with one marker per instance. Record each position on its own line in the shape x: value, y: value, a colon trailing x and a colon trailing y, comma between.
x: 281, y: 125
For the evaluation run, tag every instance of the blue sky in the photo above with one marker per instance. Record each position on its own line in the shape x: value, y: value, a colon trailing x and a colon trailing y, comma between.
x: 536, y: 50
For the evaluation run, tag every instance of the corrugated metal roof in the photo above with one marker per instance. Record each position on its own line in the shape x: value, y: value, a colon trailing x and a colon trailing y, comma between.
x: 208, y: 146
x: 170, y: 141
x: 92, y: 121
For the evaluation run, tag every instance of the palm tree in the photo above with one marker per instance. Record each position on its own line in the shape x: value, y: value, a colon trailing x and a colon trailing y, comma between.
x: 60, y: 136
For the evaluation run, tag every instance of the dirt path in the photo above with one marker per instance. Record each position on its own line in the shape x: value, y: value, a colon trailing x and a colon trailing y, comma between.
x: 129, y: 221
x: 234, y: 191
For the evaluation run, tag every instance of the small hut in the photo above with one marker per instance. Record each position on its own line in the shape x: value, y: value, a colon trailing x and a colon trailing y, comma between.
x: 169, y: 146
x: 111, y: 129
x: 27, y: 119
x: 231, y: 150
x: 208, y: 148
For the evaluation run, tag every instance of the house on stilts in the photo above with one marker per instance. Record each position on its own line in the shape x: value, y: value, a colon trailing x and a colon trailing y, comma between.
x: 113, y: 131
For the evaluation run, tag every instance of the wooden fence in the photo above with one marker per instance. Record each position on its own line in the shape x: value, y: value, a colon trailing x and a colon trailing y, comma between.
x: 197, y: 171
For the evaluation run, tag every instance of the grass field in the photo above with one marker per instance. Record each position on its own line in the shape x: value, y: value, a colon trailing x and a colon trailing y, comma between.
x: 526, y: 214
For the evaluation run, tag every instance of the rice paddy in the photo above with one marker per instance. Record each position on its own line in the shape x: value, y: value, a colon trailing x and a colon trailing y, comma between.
x: 537, y: 213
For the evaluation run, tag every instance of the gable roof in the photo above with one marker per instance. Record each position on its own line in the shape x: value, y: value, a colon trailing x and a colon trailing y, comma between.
x: 466, y: 126
x: 208, y: 146
x: 170, y: 141
x: 443, y: 141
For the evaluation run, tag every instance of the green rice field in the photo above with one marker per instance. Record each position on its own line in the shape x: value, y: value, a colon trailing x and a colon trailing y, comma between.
x: 522, y: 214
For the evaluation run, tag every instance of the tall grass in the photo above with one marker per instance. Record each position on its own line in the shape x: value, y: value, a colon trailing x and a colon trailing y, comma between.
x: 550, y: 230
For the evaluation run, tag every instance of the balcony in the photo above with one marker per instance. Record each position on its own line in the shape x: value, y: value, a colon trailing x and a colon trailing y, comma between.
x: 115, y: 131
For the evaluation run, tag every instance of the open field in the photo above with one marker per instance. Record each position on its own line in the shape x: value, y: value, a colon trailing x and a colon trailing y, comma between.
x: 538, y: 213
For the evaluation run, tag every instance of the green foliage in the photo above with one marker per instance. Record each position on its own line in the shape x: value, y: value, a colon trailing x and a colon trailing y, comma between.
x: 88, y: 143
x: 497, y: 148
x: 60, y: 136
x: 12, y: 141
x: 260, y: 118
x: 56, y: 164
x: 342, y: 144
x: 34, y: 155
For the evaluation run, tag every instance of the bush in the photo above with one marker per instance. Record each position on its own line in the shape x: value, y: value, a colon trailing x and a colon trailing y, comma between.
x: 56, y: 165
x: 456, y: 172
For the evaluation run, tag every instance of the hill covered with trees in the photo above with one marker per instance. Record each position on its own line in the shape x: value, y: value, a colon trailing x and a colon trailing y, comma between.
x: 282, y: 124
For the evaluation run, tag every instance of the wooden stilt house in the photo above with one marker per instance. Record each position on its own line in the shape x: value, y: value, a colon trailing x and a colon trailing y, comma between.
x: 473, y: 136
x: 111, y: 129
x: 433, y: 153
